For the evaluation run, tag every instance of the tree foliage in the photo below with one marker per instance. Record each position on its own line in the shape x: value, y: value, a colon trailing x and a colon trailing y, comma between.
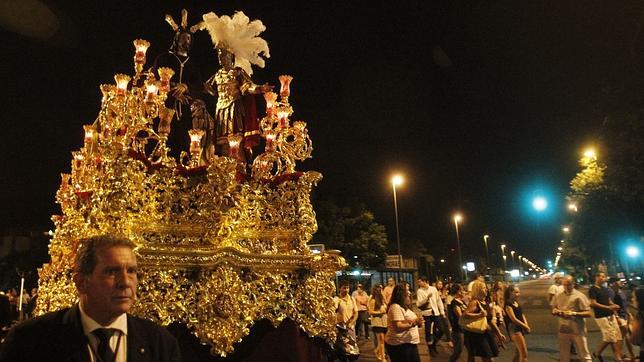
x: 589, y: 179
x: 610, y: 192
x: 354, y: 231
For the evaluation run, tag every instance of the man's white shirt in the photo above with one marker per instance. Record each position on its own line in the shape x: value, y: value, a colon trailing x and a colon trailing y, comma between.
x: 555, y: 289
x: 89, y: 325
x: 431, y: 295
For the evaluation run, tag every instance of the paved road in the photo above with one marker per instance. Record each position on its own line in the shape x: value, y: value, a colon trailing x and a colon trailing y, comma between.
x: 542, y: 342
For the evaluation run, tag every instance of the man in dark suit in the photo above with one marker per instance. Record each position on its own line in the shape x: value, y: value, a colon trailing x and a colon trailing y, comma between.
x: 98, y: 328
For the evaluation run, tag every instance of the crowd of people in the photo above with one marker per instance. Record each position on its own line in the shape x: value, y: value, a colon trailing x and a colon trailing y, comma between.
x: 12, y: 309
x: 608, y: 304
x: 479, y: 319
x: 396, y: 314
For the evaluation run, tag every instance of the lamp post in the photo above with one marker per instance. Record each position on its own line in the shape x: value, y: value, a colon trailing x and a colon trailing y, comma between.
x: 487, y: 259
x: 512, y: 253
x: 505, y: 267
x: 397, y: 180
x: 458, y: 217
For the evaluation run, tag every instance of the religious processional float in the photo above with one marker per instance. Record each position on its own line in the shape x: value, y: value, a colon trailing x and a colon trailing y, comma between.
x: 221, y: 230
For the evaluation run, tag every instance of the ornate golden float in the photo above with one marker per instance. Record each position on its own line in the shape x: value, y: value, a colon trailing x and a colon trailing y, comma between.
x: 222, y: 243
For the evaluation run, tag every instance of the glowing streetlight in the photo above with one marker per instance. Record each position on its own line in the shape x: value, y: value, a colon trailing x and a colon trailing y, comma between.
x: 565, y: 229
x: 572, y: 207
x: 487, y: 259
x: 397, y: 180
x: 457, y: 218
x: 590, y: 153
x: 539, y: 203
x: 512, y: 253
x: 632, y: 251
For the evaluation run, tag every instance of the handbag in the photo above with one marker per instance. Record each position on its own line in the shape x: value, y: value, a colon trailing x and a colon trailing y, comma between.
x: 473, y: 324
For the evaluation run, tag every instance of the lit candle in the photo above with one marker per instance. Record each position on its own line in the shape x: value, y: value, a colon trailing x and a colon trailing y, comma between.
x: 78, y: 160
x: 90, y: 132
x: 151, y: 90
x: 270, y: 138
x: 122, y: 81
x: 233, y: 142
x: 165, y: 74
x: 195, y: 140
x: 270, y: 98
x: 282, y: 114
x: 141, y: 47
x: 285, y: 82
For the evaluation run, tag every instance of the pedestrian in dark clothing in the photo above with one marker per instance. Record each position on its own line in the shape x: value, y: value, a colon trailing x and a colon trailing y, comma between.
x: 454, y: 311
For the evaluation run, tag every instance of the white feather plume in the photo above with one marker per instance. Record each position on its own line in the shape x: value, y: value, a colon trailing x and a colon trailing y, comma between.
x: 240, y: 36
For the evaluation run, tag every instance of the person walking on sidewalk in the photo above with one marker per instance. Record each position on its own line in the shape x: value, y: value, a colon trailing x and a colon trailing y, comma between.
x: 484, y: 344
x: 571, y: 306
x: 605, y: 310
x: 378, y: 313
x: 346, y: 312
x: 402, y: 338
x: 454, y: 311
x: 362, y: 299
x: 516, y: 323
x: 432, y: 309
x: 388, y: 289
x: 619, y: 297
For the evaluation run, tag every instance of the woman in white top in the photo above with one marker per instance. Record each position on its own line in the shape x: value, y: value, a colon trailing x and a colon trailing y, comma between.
x: 402, y: 338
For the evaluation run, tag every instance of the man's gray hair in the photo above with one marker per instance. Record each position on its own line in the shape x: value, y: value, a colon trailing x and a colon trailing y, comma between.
x: 85, y: 260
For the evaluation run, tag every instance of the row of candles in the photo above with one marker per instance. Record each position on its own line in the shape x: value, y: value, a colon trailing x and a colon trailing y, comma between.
x: 158, y: 90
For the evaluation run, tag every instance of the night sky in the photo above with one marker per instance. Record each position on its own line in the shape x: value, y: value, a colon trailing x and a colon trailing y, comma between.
x: 480, y: 104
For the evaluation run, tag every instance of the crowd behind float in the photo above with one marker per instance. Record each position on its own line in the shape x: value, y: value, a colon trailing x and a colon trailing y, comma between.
x: 479, y: 318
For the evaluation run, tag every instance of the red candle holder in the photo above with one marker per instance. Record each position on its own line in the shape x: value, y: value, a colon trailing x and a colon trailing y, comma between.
x: 165, y: 74
x: 270, y: 98
x: 140, y: 48
x: 285, y: 82
x: 122, y: 80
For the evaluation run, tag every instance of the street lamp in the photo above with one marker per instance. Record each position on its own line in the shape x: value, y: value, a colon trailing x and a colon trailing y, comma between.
x: 505, y: 266
x: 487, y: 259
x: 397, y: 180
x: 590, y: 153
x: 632, y: 251
x: 540, y: 203
x: 512, y: 253
x: 457, y: 218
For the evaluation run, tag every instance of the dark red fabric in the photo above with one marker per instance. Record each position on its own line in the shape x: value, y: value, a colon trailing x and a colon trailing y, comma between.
x: 251, y: 123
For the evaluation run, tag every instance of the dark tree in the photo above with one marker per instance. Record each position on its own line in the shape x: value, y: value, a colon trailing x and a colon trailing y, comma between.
x: 352, y: 230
